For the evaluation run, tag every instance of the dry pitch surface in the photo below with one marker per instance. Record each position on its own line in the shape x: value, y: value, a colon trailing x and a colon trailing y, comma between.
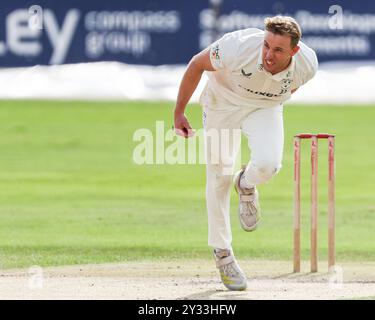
x: 195, y: 279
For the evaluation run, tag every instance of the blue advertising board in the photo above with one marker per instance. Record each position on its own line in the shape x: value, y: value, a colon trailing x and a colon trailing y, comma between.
x: 169, y: 31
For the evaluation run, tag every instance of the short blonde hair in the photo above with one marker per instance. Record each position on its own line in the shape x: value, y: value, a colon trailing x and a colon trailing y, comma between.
x: 284, y: 25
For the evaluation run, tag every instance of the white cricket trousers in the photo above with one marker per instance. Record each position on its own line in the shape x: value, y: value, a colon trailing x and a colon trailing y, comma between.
x: 264, y: 130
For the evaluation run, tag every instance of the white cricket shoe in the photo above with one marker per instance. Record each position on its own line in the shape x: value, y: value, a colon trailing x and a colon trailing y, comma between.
x: 230, y: 272
x: 248, y: 204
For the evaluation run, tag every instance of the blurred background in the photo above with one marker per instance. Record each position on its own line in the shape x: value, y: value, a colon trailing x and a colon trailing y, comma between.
x: 136, y: 34
x: 79, y: 78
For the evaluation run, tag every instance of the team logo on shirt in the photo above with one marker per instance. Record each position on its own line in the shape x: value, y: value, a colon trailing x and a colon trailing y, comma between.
x: 286, y: 83
x: 246, y: 74
x: 215, y: 52
x: 285, y: 86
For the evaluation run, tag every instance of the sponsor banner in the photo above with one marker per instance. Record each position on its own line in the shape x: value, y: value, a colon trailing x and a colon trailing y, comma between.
x: 169, y: 32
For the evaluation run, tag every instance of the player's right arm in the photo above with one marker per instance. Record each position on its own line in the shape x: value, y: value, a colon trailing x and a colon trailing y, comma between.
x: 197, y: 65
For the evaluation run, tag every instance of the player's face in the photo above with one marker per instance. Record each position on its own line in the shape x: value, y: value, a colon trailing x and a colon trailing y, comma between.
x: 277, y: 52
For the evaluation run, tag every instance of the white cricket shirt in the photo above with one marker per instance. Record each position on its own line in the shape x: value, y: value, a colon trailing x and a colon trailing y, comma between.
x: 240, y: 78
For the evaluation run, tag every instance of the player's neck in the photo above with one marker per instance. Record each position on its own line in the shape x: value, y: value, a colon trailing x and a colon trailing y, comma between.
x: 283, y: 68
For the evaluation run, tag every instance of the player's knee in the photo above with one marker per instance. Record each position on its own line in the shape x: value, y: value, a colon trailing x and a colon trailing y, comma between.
x: 266, y: 171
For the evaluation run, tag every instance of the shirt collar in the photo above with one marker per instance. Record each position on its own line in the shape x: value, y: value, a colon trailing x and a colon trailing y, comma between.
x: 287, y: 73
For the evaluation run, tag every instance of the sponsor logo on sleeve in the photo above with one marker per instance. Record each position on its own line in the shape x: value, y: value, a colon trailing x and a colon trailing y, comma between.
x: 215, y: 52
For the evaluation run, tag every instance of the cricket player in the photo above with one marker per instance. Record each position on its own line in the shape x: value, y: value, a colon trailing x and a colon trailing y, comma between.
x: 251, y: 73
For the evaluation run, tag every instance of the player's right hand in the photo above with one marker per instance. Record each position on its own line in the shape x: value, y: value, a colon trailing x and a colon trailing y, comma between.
x: 182, y: 126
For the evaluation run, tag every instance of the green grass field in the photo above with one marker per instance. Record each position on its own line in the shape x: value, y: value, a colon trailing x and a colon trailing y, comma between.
x: 71, y: 193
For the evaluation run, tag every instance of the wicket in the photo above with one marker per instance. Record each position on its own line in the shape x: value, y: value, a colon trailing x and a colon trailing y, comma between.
x: 314, y: 199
